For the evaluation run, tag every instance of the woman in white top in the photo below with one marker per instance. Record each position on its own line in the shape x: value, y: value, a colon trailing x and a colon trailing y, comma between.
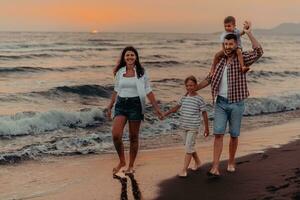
x: 128, y: 104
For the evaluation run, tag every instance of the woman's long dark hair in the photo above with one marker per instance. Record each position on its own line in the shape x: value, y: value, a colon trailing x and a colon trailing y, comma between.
x: 139, y: 69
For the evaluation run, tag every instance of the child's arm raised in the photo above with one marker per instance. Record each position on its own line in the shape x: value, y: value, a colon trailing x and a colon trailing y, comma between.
x: 242, y: 32
x: 205, y: 119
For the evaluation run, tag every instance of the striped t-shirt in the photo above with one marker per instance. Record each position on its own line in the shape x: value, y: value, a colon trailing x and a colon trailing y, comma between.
x: 190, y: 111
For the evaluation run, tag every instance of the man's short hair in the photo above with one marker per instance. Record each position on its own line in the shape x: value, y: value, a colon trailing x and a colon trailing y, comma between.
x: 229, y: 19
x: 231, y: 36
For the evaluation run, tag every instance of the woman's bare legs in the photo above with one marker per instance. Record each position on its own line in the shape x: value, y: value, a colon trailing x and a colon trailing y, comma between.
x: 134, y: 129
x: 117, y: 133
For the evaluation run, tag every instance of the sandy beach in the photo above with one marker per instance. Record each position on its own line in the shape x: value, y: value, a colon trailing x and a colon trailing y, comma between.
x: 263, y: 174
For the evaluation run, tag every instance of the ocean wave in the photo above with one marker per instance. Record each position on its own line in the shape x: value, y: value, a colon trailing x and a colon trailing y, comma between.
x: 26, y: 56
x: 273, y: 104
x: 47, y: 53
x: 81, y: 90
x: 166, y: 80
x: 79, y: 49
x: 32, y: 123
x: 156, y: 56
x: 162, y: 63
x: 270, y: 74
x: 207, y: 43
x: 59, y: 146
x: 102, y: 40
x: 26, y: 69
x: 202, y: 63
x: 5, y: 70
x: 265, y: 59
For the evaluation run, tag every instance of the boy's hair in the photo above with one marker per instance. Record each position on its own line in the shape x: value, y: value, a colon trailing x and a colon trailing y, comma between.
x: 231, y: 36
x: 190, y: 78
x: 229, y: 19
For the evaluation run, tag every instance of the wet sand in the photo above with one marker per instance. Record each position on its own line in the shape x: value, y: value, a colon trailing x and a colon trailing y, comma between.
x: 274, y: 174
x: 261, y: 175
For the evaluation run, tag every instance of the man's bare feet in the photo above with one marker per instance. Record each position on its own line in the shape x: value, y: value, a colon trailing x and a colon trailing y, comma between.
x: 231, y: 168
x: 245, y: 69
x: 214, y: 172
x: 118, y: 167
x: 182, y: 174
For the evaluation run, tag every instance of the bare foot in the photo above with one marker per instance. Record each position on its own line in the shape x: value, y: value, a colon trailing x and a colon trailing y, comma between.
x: 214, y: 172
x: 197, y: 166
x: 182, y: 174
x: 118, y: 167
x: 231, y: 168
x: 129, y: 170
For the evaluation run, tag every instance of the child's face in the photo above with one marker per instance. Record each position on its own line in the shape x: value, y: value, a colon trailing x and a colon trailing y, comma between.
x: 190, y: 86
x: 229, y: 27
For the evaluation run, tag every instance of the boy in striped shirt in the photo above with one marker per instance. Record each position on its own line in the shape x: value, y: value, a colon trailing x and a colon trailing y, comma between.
x: 191, y: 106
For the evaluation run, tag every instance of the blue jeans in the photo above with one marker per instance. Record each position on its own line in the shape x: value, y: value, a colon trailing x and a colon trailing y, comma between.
x: 228, y: 112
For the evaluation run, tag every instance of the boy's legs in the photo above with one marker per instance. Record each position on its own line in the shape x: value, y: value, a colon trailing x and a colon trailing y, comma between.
x: 244, y: 68
x: 197, y: 161
x: 190, y: 140
x: 217, y: 58
x: 186, y: 163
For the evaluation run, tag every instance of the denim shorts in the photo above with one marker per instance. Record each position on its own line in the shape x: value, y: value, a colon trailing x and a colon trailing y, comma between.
x: 228, y: 112
x: 129, y: 107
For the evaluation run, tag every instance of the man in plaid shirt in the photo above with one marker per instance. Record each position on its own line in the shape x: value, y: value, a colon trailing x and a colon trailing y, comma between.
x: 229, y: 89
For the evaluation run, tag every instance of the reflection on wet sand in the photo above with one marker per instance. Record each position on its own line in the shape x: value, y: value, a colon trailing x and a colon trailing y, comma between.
x: 137, y: 195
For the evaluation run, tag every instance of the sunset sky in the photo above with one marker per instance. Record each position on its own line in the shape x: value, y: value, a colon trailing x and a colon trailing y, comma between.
x: 142, y: 15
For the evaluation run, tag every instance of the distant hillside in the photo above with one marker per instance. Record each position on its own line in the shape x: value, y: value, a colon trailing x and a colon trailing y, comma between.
x: 284, y: 28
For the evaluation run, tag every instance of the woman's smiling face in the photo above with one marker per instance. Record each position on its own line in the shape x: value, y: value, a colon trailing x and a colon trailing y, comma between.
x: 130, y: 58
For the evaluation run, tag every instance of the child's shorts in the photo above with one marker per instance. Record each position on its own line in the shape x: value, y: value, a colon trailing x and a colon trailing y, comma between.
x: 189, y: 139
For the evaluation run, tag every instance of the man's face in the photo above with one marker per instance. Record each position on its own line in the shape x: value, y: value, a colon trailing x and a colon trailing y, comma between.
x: 229, y: 27
x: 229, y: 46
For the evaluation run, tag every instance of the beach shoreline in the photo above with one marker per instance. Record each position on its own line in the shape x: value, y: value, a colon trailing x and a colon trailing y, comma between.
x: 90, y: 177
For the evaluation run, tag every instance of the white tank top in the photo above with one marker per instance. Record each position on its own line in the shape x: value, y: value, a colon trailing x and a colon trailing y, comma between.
x: 128, y: 87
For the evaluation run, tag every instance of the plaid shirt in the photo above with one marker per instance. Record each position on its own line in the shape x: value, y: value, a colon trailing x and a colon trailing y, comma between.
x: 237, y: 84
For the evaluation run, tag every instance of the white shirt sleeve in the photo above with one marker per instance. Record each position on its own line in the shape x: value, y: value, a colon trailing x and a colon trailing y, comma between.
x: 148, y: 88
x: 117, y: 82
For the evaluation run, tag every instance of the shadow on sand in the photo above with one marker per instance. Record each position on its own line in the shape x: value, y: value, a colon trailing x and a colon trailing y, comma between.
x: 274, y: 174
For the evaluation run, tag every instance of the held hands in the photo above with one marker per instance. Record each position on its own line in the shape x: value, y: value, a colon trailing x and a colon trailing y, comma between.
x: 159, y: 114
x: 108, y: 113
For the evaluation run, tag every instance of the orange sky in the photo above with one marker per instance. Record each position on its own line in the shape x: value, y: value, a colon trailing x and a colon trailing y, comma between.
x: 142, y: 15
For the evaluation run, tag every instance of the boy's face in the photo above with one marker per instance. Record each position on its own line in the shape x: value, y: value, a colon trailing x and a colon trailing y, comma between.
x: 190, y: 86
x: 229, y: 27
